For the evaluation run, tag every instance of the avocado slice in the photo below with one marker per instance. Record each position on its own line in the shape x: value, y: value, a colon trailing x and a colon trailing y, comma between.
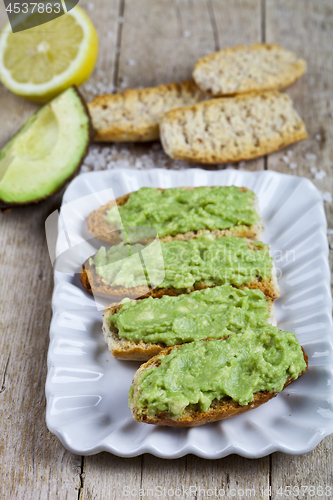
x: 46, y: 151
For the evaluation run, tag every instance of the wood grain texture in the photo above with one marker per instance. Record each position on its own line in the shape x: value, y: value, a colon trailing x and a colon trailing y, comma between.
x: 308, y: 31
x: 34, y: 464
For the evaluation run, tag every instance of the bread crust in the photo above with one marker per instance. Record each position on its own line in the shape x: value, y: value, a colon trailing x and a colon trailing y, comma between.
x: 218, y: 410
x: 134, y: 115
x: 208, y: 76
x: 128, y: 350
x: 94, y: 285
x: 105, y: 232
x: 208, y: 133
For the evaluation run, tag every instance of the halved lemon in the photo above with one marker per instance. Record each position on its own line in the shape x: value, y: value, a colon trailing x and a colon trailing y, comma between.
x: 41, y: 62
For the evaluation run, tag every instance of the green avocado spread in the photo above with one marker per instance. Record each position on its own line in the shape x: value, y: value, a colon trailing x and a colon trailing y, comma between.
x: 182, y: 264
x: 178, y: 210
x: 210, y: 313
x: 199, y: 372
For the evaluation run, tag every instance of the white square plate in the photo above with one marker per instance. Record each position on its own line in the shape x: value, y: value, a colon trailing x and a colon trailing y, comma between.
x: 87, y: 389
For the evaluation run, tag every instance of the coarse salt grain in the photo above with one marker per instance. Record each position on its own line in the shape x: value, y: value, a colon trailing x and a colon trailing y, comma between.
x: 131, y: 62
x: 320, y: 175
x: 285, y: 159
x: 292, y: 165
x: 186, y: 34
x: 91, y: 6
x: 289, y: 153
x: 310, y: 156
x: 313, y: 170
x: 318, y: 137
x: 326, y: 196
x: 241, y: 164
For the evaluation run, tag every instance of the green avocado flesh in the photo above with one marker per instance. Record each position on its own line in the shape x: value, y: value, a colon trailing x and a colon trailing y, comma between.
x: 213, y: 261
x: 238, y: 367
x: 46, y: 151
x: 210, y: 313
x: 178, y: 210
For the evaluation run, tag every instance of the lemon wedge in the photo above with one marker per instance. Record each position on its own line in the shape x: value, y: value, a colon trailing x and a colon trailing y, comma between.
x: 41, y: 62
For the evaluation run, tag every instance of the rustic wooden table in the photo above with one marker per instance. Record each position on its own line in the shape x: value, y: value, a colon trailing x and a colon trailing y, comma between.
x: 142, y: 43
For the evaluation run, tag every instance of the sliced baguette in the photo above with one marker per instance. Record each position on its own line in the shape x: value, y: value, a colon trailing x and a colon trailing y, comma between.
x: 124, y: 349
x: 94, y: 284
x: 218, y: 410
x: 105, y: 232
x: 241, y: 69
x: 231, y: 129
x: 134, y: 115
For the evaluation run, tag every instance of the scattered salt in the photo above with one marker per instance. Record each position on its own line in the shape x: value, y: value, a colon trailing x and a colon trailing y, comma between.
x: 329, y: 231
x: 241, y: 164
x: 285, y: 159
x: 109, y: 34
x: 320, y: 175
x: 186, y: 34
x: 128, y: 156
x: 131, y: 62
x: 292, y: 165
x: 318, y: 137
x: 124, y: 83
x: 310, y: 156
x: 120, y: 20
x: 289, y: 153
x: 313, y: 170
x: 326, y: 196
x: 91, y: 6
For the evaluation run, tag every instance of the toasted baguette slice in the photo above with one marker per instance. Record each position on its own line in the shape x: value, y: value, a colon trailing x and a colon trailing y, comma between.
x: 94, y: 284
x: 218, y: 410
x: 124, y: 349
x: 241, y: 69
x: 232, y: 129
x: 105, y: 232
x: 134, y: 115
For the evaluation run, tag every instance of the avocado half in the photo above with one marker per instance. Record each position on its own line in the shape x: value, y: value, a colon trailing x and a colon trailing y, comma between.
x: 46, y: 151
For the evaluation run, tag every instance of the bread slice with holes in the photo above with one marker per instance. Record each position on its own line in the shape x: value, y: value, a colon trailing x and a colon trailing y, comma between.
x: 200, y: 270
x: 185, y: 310
x: 255, y: 68
x: 175, y: 400
x: 232, y: 129
x: 102, y: 230
x: 135, y: 114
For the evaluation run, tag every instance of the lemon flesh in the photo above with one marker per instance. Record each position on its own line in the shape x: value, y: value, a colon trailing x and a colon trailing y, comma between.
x: 47, y: 150
x: 41, y: 62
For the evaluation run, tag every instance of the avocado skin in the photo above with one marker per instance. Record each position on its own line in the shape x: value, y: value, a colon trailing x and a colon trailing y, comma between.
x: 4, y: 204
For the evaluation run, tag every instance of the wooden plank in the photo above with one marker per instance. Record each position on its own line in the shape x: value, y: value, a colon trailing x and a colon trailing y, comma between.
x: 33, y: 462
x: 307, y: 30
x: 106, y: 476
